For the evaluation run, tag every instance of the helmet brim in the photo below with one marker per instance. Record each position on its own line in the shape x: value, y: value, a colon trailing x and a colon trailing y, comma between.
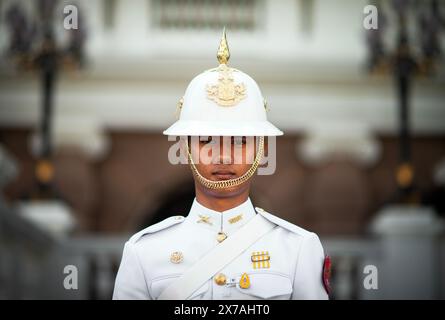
x: 217, y: 128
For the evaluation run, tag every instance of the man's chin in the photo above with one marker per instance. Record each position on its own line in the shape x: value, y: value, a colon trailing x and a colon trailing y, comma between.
x: 226, y: 192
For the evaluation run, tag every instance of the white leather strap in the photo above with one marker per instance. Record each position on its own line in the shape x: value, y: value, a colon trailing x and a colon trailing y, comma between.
x: 217, y: 259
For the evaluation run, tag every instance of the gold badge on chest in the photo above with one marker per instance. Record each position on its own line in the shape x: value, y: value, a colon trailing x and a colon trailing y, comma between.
x: 260, y: 260
x: 244, y: 282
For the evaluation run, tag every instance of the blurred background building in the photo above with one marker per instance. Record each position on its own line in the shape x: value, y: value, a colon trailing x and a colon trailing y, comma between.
x: 83, y: 163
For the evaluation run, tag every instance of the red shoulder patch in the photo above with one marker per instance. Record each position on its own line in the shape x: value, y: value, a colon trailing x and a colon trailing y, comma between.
x: 327, y: 264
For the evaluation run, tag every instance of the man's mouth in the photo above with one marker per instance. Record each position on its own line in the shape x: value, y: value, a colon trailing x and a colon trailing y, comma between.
x: 223, y: 174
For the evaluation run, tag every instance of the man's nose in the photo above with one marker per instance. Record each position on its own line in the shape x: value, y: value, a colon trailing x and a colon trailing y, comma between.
x: 224, y: 155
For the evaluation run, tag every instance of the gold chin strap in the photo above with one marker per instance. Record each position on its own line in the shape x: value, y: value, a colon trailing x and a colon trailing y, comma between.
x: 224, y: 184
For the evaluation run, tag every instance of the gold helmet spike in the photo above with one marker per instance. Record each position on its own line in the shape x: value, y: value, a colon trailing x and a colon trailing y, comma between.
x: 223, y: 53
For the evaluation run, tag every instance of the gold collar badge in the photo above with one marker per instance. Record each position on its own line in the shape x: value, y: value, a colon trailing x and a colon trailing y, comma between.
x: 225, y: 93
x: 204, y: 219
x: 236, y: 219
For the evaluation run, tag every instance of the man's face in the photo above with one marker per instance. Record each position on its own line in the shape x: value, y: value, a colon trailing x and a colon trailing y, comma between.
x: 223, y: 158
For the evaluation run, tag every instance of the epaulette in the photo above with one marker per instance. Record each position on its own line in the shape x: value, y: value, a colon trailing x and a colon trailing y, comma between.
x: 283, y: 223
x: 164, y: 224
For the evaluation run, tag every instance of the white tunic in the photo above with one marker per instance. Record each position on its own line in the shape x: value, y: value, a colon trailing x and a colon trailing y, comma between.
x: 293, y: 269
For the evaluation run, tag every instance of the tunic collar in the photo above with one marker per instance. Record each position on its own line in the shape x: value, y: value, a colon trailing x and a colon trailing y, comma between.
x: 227, y: 221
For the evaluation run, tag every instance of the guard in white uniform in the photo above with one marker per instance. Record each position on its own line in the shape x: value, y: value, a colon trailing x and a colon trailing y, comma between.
x: 240, y: 253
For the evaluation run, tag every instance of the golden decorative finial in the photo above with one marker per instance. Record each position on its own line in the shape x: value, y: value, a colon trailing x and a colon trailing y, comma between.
x: 223, y: 53
x: 226, y: 93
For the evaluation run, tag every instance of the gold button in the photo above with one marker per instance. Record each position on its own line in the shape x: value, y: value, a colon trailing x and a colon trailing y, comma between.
x: 220, y: 279
x: 176, y: 257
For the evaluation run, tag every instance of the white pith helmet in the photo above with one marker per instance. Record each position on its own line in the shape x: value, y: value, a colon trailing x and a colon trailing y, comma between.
x: 223, y: 102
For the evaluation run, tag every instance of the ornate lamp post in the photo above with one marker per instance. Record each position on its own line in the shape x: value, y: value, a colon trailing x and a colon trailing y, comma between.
x: 404, y: 65
x: 33, y: 46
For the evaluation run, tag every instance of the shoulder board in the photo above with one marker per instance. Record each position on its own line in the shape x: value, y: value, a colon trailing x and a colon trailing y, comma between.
x: 164, y: 224
x: 283, y: 223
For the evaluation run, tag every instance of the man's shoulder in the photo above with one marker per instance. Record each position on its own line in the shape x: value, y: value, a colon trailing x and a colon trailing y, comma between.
x: 284, y: 224
x: 157, y: 227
